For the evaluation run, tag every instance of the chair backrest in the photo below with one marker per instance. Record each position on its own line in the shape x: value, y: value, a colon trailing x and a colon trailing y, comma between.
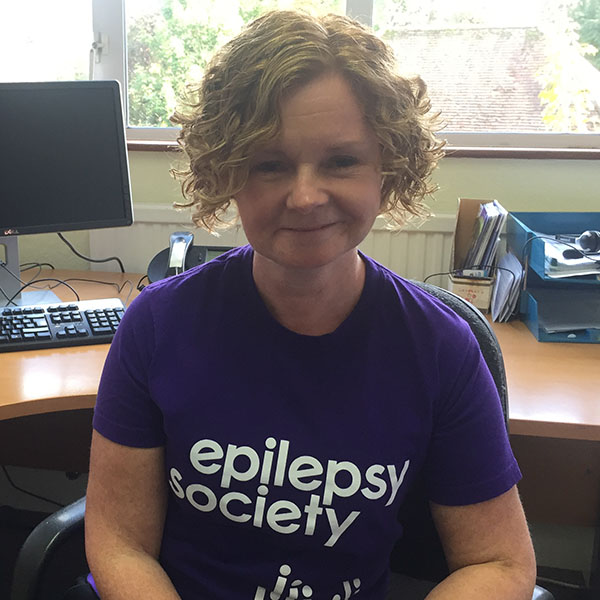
x: 419, y: 552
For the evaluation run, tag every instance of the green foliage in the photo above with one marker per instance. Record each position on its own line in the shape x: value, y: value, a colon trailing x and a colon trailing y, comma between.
x: 390, y: 16
x: 587, y: 14
x: 165, y: 50
x: 249, y: 11
x: 170, y: 48
x: 568, y: 103
x: 567, y: 107
x: 567, y: 100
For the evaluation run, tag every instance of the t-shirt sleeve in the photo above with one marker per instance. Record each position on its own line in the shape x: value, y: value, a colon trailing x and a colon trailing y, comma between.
x: 125, y: 412
x: 469, y: 459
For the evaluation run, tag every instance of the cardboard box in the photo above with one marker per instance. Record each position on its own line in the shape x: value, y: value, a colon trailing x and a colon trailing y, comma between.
x: 467, y: 212
x: 476, y: 290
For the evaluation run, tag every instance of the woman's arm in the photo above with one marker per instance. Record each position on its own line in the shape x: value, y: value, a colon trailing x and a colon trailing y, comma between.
x: 488, y: 549
x: 124, y: 519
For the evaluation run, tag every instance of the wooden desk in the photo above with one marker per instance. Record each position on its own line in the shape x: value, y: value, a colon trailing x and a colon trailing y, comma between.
x: 553, y: 388
x: 554, y: 409
x: 58, y: 379
x: 47, y: 396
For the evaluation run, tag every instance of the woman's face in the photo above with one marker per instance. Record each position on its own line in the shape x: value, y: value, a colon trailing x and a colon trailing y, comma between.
x: 313, y: 193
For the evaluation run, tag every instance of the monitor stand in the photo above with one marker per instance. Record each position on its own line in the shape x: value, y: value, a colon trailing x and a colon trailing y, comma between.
x: 10, y: 274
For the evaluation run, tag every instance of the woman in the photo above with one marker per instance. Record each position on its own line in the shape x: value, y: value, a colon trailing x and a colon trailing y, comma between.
x: 261, y: 418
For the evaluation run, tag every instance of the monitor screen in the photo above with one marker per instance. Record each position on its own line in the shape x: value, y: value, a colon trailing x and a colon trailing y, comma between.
x: 63, y: 158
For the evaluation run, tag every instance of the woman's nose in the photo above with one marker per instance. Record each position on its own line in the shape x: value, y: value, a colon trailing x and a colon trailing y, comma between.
x: 307, y: 191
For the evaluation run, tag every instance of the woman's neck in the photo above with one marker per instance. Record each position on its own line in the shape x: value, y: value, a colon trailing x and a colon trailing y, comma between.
x: 310, y: 301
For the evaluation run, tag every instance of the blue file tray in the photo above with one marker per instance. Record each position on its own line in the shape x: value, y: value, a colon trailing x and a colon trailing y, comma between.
x: 521, y: 228
x: 530, y: 314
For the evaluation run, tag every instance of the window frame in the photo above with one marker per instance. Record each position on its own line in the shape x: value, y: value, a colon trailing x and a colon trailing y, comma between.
x: 110, y: 30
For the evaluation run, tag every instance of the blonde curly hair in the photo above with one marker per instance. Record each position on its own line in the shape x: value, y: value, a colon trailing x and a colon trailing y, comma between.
x: 235, y: 109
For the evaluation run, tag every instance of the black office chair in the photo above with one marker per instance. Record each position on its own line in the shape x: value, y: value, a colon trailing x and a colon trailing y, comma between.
x: 42, y: 572
x: 419, y: 554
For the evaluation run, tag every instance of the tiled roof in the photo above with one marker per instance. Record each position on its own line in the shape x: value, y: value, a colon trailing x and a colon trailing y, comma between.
x: 482, y: 79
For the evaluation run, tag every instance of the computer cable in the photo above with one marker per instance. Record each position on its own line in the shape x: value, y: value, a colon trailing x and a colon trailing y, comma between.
x: 8, y: 300
x: 3, y: 265
x: 58, y: 282
x: 34, y: 279
x: 24, y: 491
x: 140, y: 286
x: 92, y: 260
x: 118, y: 287
x: 460, y: 271
x: 30, y: 284
x: 34, y: 265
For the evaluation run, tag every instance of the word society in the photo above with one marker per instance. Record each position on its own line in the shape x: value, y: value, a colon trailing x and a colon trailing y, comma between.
x: 305, y: 473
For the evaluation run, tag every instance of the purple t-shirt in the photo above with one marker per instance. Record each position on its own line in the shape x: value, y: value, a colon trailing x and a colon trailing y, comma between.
x: 288, y: 456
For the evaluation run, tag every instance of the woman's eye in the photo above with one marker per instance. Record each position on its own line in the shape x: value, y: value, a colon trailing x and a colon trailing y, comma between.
x: 343, y: 162
x: 269, y: 166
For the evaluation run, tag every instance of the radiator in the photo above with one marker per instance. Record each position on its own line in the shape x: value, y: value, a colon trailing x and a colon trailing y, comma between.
x: 415, y: 253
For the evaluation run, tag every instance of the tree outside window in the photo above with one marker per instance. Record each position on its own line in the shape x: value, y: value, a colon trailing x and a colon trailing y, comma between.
x: 490, y: 66
x: 169, y: 43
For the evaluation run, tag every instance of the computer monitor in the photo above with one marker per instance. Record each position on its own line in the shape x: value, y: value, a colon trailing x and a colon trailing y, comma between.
x: 63, y: 164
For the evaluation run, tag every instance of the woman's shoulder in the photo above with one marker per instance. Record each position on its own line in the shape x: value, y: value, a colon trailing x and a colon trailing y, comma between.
x: 229, y: 265
x: 199, y: 286
x: 418, y: 307
x: 411, y: 294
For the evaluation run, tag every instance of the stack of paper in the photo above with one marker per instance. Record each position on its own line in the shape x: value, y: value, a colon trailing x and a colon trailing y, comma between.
x: 509, y: 278
x: 486, y: 235
x: 559, y: 262
x: 566, y: 310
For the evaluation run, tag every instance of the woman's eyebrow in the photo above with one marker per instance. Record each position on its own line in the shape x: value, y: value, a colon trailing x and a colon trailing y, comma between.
x: 345, y: 147
x: 268, y: 151
x: 350, y: 146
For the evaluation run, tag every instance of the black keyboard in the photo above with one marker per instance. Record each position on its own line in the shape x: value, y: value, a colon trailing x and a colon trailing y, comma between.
x: 57, y: 325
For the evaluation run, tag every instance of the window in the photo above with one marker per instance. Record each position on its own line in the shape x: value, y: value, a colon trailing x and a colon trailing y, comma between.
x: 169, y: 43
x: 45, y: 41
x: 502, y: 71
x: 513, y: 73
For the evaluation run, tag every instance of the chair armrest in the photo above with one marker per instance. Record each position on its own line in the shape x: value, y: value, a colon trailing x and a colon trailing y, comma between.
x: 40, y: 545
